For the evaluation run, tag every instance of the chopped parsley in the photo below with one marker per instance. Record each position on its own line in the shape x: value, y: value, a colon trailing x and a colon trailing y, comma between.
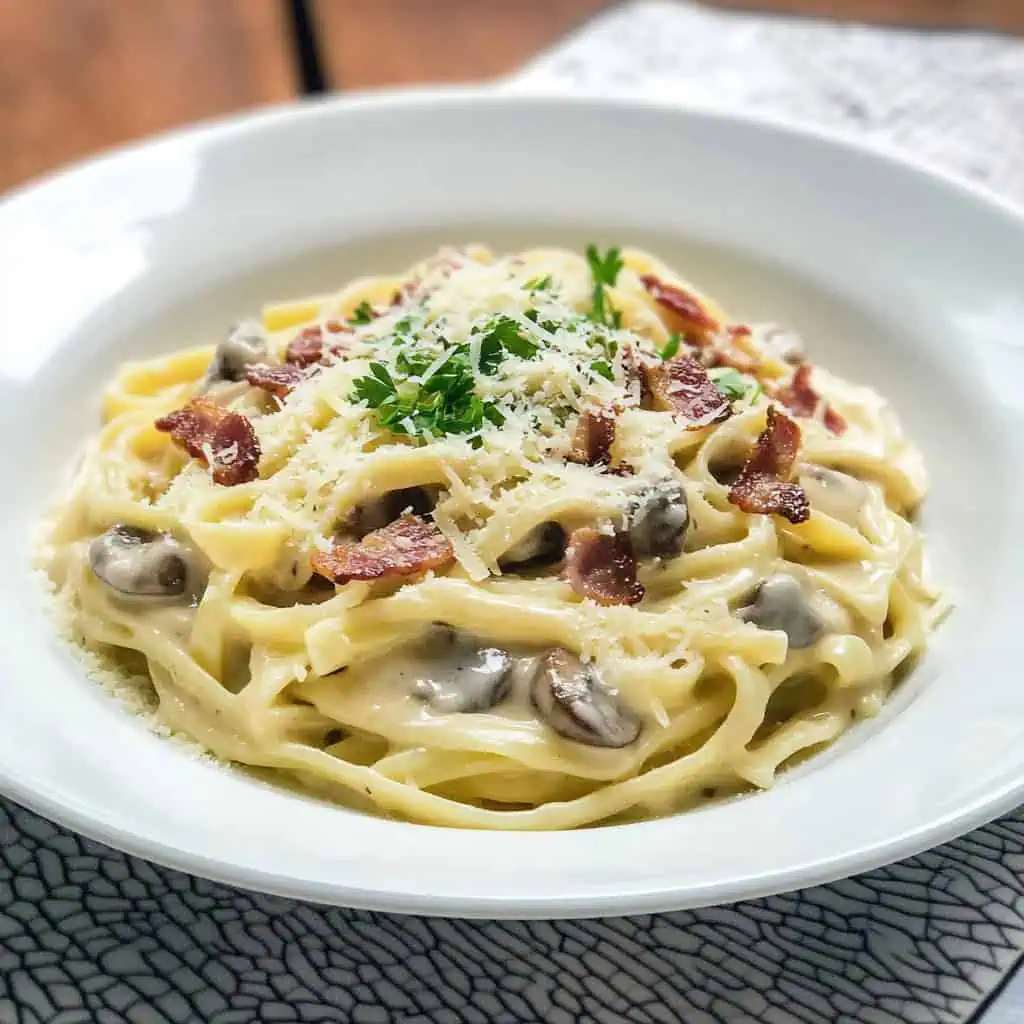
x: 427, y: 393
x: 604, y: 269
x: 539, y: 284
x: 603, y: 368
x: 671, y: 347
x: 362, y: 314
x: 733, y: 384
x: 505, y: 333
x: 443, y: 403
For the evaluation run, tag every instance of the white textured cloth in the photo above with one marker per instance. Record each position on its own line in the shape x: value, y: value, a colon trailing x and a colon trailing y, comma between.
x: 953, y: 99
x: 88, y: 934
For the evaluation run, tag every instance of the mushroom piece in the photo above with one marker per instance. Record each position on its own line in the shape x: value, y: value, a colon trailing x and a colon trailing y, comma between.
x: 779, y: 603
x: 140, y: 564
x: 838, y: 495
x: 457, y: 675
x: 244, y: 346
x: 657, y: 520
x: 570, y: 698
x: 543, y: 545
x: 386, y: 508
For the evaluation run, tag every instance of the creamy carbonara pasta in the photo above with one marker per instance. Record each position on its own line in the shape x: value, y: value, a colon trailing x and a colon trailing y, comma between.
x: 534, y: 541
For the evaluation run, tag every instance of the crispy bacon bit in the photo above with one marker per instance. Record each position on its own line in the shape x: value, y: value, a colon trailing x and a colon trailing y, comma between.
x: 593, y: 439
x: 763, y: 484
x: 307, y: 347
x: 221, y: 439
x: 280, y: 381
x: 406, y: 547
x: 800, y: 398
x: 681, y: 385
x: 689, y: 316
x: 602, y: 566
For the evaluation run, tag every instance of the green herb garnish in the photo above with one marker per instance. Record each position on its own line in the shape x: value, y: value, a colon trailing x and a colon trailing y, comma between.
x: 603, y: 368
x: 362, y: 314
x: 442, y: 403
x: 733, y: 384
x: 604, y: 268
x: 538, y: 284
x: 671, y: 347
x: 507, y: 333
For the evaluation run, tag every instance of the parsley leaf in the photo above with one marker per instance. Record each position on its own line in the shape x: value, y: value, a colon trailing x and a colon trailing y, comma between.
x: 362, y: 314
x: 603, y: 368
x: 731, y: 383
x: 538, y: 284
x: 505, y: 332
x: 671, y: 347
x: 604, y: 269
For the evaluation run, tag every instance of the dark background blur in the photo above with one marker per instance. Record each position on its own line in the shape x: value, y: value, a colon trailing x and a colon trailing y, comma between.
x: 80, y: 75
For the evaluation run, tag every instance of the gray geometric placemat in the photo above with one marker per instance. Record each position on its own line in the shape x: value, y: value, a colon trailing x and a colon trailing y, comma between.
x: 88, y: 934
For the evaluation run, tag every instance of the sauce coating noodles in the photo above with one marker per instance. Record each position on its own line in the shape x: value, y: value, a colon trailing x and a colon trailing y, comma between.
x: 487, y: 565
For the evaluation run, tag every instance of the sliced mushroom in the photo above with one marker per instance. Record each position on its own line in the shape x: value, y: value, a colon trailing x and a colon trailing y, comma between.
x: 569, y: 697
x: 457, y: 675
x: 779, y: 603
x: 244, y: 346
x: 142, y: 564
x: 657, y: 520
x: 836, y: 494
x: 386, y: 508
x: 543, y: 545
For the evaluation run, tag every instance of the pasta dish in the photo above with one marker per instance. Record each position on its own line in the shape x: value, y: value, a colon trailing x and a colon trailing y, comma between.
x: 531, y: 541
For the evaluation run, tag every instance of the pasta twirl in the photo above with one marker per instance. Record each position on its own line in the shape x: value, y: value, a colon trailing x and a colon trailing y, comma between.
x: 533, y: 541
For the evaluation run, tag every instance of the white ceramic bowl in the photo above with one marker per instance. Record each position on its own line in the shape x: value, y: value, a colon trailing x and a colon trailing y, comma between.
x: 897, y: 277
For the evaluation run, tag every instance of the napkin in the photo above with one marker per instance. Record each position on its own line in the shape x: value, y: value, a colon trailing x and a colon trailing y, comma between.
x: 88, y: 934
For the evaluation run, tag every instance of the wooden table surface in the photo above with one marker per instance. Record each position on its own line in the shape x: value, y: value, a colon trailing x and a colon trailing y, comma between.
x: 77, y: 76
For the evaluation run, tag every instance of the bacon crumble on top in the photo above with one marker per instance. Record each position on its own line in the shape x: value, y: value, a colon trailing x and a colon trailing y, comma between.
x: 593, y: 438
x: 801, y: 399
x: 688, y: 313
x: 406, y: 547
x: 308, y: 346
x: 602, y: 566
x: 280, y: 381
x: 219, y: 438
x: 763, y: 485
x: 681, y: 385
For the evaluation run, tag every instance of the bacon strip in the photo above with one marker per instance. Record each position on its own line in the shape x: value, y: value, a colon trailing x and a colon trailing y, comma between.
x: 280, y: 381
x: 408, y: 546
x: 681, y: 385
x: 221, y: 439
x: 763, y: 484
x: 602, y: 567
x: 688, y: 314
x: 308, y: 348
x: 800, y: 398
x: 634, y: 370
x: 593, y: 438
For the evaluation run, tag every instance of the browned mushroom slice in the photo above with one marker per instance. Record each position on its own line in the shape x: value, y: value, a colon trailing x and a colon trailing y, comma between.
x: 243, y: 347
x: 779, y: 603
x: 387, y: 507
x: 543, y: 545
x: 142, y: 564
x: 568, y: 696
x: 455, y: 674
x: 657, y: 520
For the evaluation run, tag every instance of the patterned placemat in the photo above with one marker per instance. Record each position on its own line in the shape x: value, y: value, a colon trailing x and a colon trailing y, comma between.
x: 88, y: 934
